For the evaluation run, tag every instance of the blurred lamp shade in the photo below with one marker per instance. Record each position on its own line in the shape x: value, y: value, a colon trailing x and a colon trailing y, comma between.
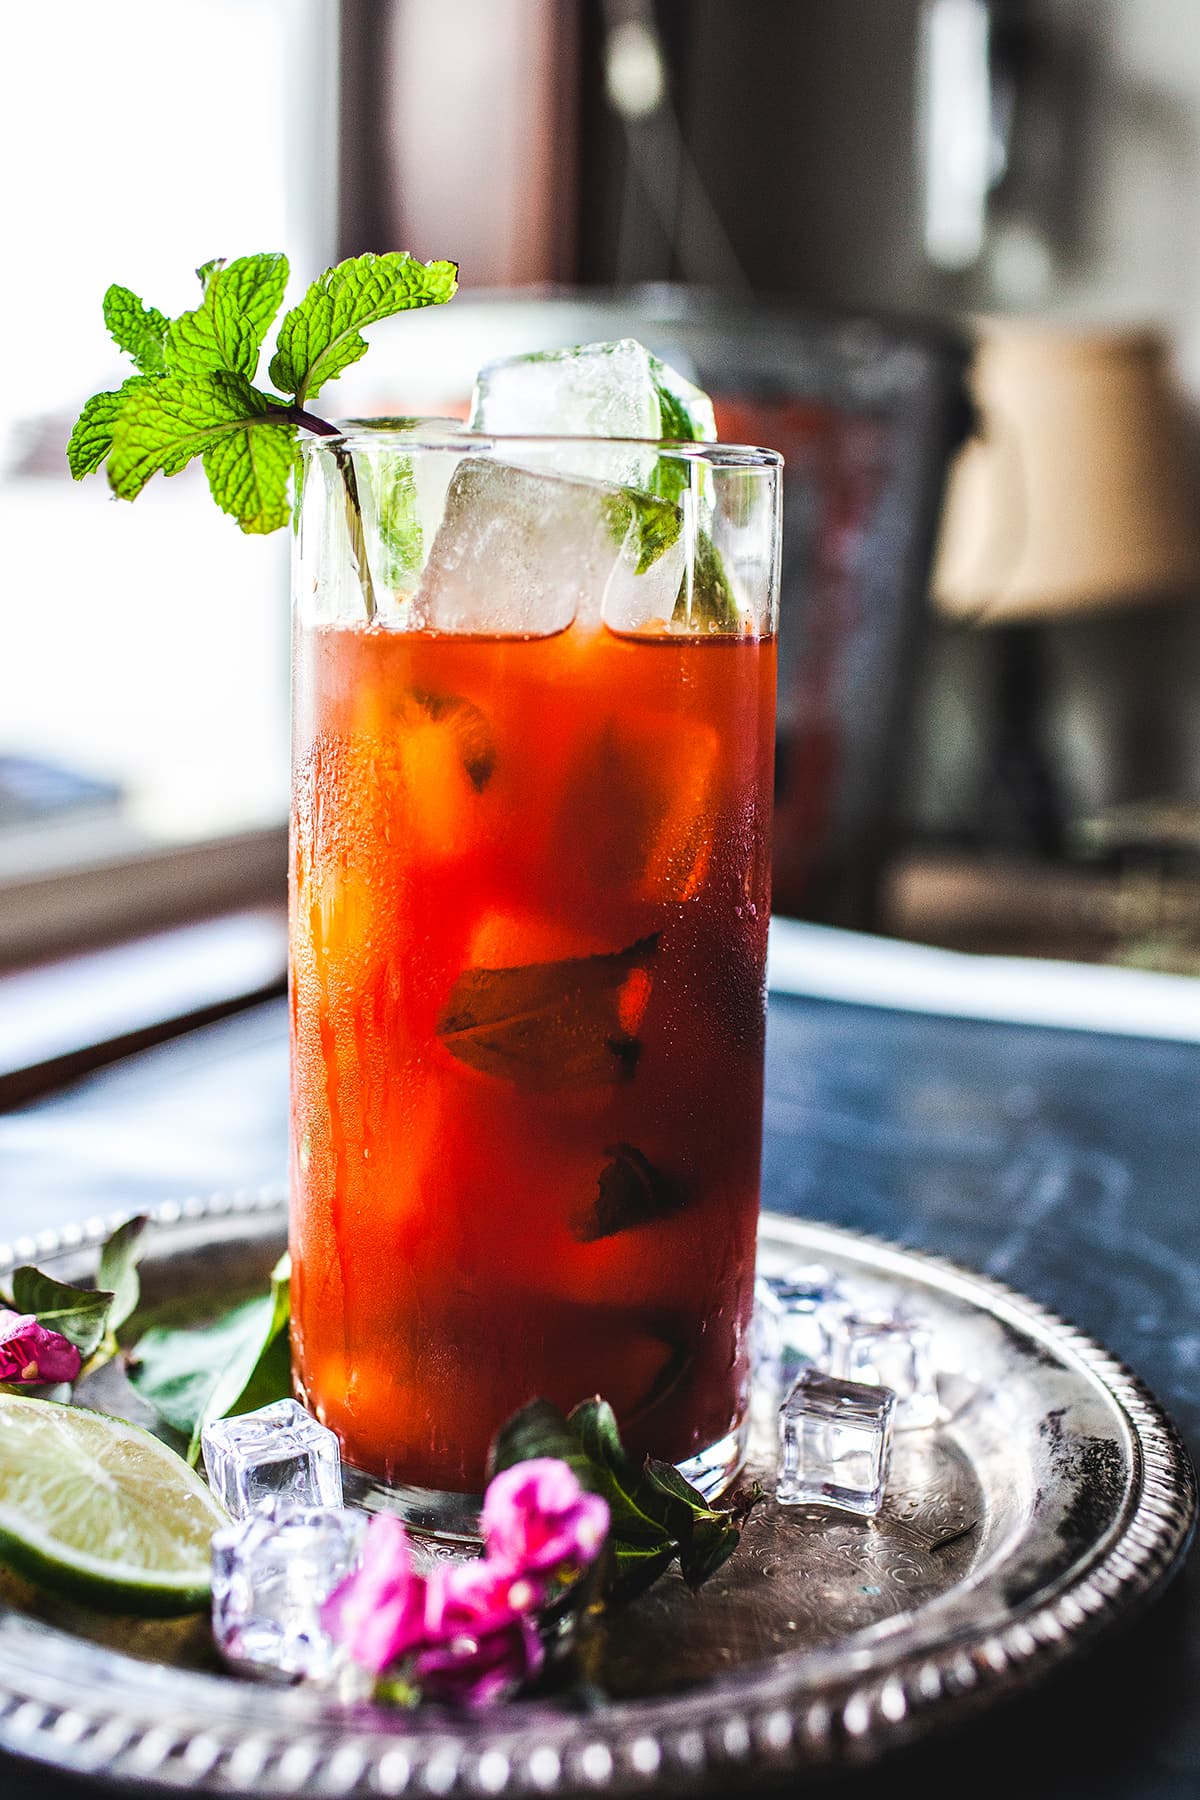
x: 1078, y: 492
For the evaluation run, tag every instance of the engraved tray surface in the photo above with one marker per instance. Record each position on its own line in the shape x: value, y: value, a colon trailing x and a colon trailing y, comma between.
x: 1054, y: 1496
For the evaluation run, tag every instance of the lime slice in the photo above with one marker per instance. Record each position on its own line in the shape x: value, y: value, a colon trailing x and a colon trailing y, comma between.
x: 99, y: 1510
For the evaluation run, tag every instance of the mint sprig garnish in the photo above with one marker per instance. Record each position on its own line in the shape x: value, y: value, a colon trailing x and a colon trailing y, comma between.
x: 321, y: 337
x: 195, y: 394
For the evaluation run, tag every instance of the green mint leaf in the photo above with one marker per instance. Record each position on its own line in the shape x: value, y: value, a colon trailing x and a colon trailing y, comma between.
x: 546, y: 1025
x: 168, y: 421
x: 118, y: 1271
x: 78, y: 1314
x: 655, y: 523
x: 632, y: 1192
x: 137, y: 329
x: 91, y: 439
x: 192, y: 1376
x: 320, y: 337
x: 393, y: 523
x: 655, y: 1514
x: 538, y: 1429
x: 227, y: 329
x: 616, y: 1477
x: 249, y: 475
x: 706, y: 601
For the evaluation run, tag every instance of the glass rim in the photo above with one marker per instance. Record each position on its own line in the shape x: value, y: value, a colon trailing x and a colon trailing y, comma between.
x: 424, y: 435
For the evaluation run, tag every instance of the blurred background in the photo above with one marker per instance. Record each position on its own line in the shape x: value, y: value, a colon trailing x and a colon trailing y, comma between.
x: 945, y: 254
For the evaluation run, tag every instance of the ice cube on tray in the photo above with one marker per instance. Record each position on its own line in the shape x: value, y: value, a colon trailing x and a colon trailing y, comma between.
x: 271, y: 1573
x: 835, y: 1443
x: 887, y: 1348
x: 279, y: 1452
x: 522, y: 552
x: 792, y: 1313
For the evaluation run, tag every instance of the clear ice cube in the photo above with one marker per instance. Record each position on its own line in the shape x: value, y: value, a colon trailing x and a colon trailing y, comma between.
x: 835, y: 1443
x: 279, y: 1452
x: 887, y: 1349
x: 614, y: 390
x: 792, y: 1322
x: 271, y: 1573
x: 521, y: 552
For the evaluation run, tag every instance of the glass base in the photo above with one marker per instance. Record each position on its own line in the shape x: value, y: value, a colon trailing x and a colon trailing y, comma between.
x: 454, y: 1518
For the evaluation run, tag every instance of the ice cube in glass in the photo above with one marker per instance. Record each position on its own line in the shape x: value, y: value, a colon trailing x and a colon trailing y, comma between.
x: 835, y: 1443
x: 613, y: 390
x: 278, y: 1452
x: 886, y: 1348
x: 271, y: 1573
x: 522, y: 552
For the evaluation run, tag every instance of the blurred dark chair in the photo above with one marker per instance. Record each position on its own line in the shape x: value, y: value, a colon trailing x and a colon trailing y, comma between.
x: 867, y: 412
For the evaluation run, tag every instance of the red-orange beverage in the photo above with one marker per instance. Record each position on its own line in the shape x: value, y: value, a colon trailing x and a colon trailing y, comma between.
x: 530, y: 892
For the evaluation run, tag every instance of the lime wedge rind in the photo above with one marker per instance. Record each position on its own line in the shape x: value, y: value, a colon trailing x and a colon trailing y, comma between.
x: 99, y: 1510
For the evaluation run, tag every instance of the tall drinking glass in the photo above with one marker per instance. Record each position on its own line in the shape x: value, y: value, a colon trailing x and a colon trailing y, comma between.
x: 533, y: 731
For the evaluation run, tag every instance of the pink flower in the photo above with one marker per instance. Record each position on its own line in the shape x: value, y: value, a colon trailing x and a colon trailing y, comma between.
x: 379, y: 1611
x: 537, y: 1519
x: 31, y: 1352
x: 481, y: 1640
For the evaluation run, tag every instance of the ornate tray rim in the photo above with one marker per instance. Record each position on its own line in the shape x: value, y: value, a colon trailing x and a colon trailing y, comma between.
x: 766, y: 1721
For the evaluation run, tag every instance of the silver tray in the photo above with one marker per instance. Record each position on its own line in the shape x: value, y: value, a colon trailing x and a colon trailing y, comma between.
x: 1054, y: 1498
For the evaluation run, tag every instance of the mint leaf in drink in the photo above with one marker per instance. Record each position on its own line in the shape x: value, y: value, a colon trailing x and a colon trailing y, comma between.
x: 632, y: 1192
x: 91, y: 439
x: 227, y: 329
x: 656, y: 523
x: 706, y: 601
x: 322, y: 336
x: 550, y: 1025
x: 389, y: 496
x: 136, y: 328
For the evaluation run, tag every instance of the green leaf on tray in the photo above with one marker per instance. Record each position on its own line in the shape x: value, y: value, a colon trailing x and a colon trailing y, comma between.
x: 233, y: 1365
x: 631, y: 1192
x: 118, y: 1271
x: 78, y: 1314
x: 546, y: 1025
x: 656, y: 1514
x: 321, y: 337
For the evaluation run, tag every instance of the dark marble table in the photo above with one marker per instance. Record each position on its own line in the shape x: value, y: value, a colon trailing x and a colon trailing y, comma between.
x: 1064, y: 1162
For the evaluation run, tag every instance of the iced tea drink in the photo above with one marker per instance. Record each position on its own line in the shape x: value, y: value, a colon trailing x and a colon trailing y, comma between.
x: 530, y: 894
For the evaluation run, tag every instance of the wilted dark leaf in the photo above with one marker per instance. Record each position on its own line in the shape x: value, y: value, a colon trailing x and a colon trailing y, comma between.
x: 546, y: 1025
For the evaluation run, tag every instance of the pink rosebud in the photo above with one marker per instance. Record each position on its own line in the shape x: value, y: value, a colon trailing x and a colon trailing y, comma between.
x: 480, y: 1640
x: 33, y: 1353
x: 538, y: 1519
x: 378, y: 1612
